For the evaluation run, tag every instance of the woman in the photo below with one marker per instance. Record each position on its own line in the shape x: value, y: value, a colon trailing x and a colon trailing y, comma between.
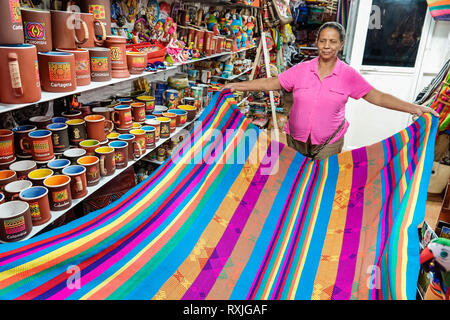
x: 321, y: 88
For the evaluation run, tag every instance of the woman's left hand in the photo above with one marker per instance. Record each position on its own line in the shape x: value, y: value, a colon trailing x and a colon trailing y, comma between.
x: 420, y: 110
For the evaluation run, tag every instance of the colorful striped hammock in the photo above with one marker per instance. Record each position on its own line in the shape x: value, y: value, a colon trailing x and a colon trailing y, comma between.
x: 236, y: 215
x: 439, y: 9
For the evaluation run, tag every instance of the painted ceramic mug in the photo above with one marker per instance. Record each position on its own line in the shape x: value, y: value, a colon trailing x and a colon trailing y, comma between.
x: 106, y: 160
x: 74, y: 154
x: 22, y: 168
x: 41, y: 122
x: 57, y: 71
x: 64, y: 24
x: 120, y: 153
x: 91, y: 24
x: 13, y: 189
x: 149, y: 136
x: 82, y: 65
x: 19, y: 74
x: 134, y: 149
x: 59, y: 192
x: 78, y: 182
x: 139, y: 137
x: 20, y: 133
x: 7, y: 176
x: 11, y: 22
x: 38, y: 176
x: 37, y: 199
x: 6, y: 146
x: 117, y: 45
x: 37, y: 28
x: 41, y: 145
x: 156, y: 124
x: 77, y: 131
x: 138, y: 111
x: 100, y: 59
x: 98, y: 127
x: 136, y: 61
x: 91, y: 163
x: 149, y: 103
x: 60, y: 136
x: 182, y: 116
x: 15, y: 220
x: 173, y: 120
x: 122, y: 117
x: 90, y: 145
x: 58, y: 165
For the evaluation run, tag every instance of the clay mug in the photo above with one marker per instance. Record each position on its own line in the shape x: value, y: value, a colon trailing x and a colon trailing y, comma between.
x: 90, y: 145
x: 117, y: 45
x: 122, y: 117
x: 100, y: 9
x: 6, y: 146
x: 123, y: 100
x: 13, y: 189
x: 164, y: 131
x: 15, y: 220
x: 134, y: 149
x: 59, y: 192
x: 60, y: 136
x: 149, y: 136
x: 40, y: 145
x: 37, y: 199
x: 100, y: 59
x: 11, y: 22
x: 64, y: 24
x: 59, y: 119
x: 173, y: 120
x: 182, y: 116
x: 2, y: 198
x: 82, y: 65
x: 106, y: 160
x: 41, y: 122
x: 139, y: 137
x: 120, y: 153
x: 38, y: 176
x: 91, y: 163
x: 20, y: 133
x: 149, y: 103
x: 58, y: 165
x: 138, y: 111
x: 136, y: 61
x: 74, y: 154
x: 98, y: 127
x: 7, y: 176
x: 77, y: 131
x: 91, y: 24
x: 157, y: 125
x: 72, y: 114
x: 78, y: 181
x: 113, y: 136
x: 191, y: 111
x: 19, y: 74
x: 57, y: 71
x: 104, y: 111
x: 37, y: 28
x: 23, y: 168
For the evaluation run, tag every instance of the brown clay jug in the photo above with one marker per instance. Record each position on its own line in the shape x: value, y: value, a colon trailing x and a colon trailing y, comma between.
x: 117, y: 45
x: 101, y: 10
x: 64, y: 24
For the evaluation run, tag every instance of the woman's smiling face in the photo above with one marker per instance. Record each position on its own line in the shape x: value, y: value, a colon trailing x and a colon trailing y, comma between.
x: 329, y: 43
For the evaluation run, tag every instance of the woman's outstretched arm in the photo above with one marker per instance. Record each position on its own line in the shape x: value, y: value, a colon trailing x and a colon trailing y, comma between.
x: 263, y: 84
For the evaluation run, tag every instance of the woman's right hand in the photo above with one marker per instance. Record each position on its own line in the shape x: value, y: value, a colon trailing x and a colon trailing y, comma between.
x: 231, y: 86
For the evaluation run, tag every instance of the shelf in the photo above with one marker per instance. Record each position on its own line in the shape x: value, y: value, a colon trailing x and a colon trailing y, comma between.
x: 49, y: 96
x: 154, y: 161
x: 103, y: 181
x: 233, y: 76
x: 221, y: 3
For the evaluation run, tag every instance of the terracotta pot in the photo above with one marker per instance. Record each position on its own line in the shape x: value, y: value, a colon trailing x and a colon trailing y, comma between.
x: 182, y: 116
x: 117, y: 45
x: 19, y: 74
x: 138, y: 111
x: 60, y: 136
x: 139, y: 137
x: 122, y: 117
x: 120, y: 153
x: 23, y: 168
x: 90, y: 146
x: 106, y: 160
x: 78, y: 182
x: 6, y: 176
x: 156, y: 124
x: 100, y: 64
x: 64, y: 24
x: 13, y: 189
x: 91, y: 163
x: 11, y: 22
x: 15, y: 220
x: 149, y: 103
x: 58, y: 165
x: 134, y: 149
x: 37, y: 199
x: 100, y: 9
x: 149, y: 136
x: 173, y: 120
x: 57, y: 71
x: 74, y: 154
x: 77, y: 131
x: 164, y: 127
x: 92, y: 24
x: 82, y: 65
x: 37, y: 28
x: 98, y: 127
x: 41, y: 145
x: 6, y: 146
x: 38, y: 176
x: 20, y: 133
x: 59, y: 192
x: 136, y: 61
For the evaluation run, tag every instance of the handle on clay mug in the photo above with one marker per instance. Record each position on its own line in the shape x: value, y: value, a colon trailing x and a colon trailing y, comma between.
x: 100, y: 42
x: 110, y: 124
x: 14, y: 73
x: 78, y: 184
x: 113, y: 117
x: 24, y: 146
x: 102, y: 165
x: 140, y: 150
x: 86, y: 33
x: 15, y: 196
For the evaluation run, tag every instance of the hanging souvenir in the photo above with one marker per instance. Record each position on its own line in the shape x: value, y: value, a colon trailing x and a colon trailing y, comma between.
x: 152, y: 13
x: 164, y: 11
x: 282, y: 11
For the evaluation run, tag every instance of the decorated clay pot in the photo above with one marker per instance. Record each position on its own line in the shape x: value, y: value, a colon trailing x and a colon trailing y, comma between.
x: 60, y: 136
x: 122, y: 117
x: 90, y: 145
x: 136, y: 61
x: 19, y: 74
x: 82, y: 65
x: 77, y: 131
x: 37, y: 28
x: 106, y: 160
x: 59, y: 192
x: 38, y: 176
x: 40, y: 145
x: 138, y: 111
x: 37, y: 199
x: 100, y: 59
x: 7, y: 176
x: 100, y: 9
x: 6, y: 146
x: 120, y: 153
x: 173, y: 120
x: 117, y: 45
x: 23, y: 168
x: 63, y: 29
x: 78, y: 182
x: 139, y: 137
x: 20, y: 133
x: 10, y: 22
x: 57, y: 71
x: 149, y: 103
x: 164, y: 127
x: 91, y: 163
x: 134, y: 149
x: 15, y: 220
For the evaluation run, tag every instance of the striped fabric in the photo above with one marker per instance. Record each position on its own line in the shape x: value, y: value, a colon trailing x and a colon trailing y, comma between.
x: 439, y: 9
x: 236, y: 215
x: 441, y: 103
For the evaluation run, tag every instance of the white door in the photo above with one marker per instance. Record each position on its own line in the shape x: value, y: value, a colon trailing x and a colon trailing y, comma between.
x: 388, y: 54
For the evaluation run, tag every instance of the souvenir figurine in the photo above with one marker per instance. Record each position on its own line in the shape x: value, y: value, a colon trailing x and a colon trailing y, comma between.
x: 236, y: 24
x: 224, y: 25
x: 435, y: 258
x: 173, y: 49
x: 169, y: 29
x: 250, y: 25
x: 244, y: 37
x: 141, y: 31
x: 212, y: 23
x: 184, y: 55
x: 158, y: 31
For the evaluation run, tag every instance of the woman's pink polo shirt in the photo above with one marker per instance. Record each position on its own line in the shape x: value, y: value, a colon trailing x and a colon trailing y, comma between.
x: 319, y: 106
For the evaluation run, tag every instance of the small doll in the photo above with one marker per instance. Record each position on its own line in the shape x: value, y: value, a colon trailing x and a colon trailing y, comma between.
x: 140, y: 30
x: 169, y: 29
x: 212, y: 23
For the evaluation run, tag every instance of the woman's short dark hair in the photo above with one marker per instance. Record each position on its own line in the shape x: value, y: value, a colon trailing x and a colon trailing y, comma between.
x: 334, y: 25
